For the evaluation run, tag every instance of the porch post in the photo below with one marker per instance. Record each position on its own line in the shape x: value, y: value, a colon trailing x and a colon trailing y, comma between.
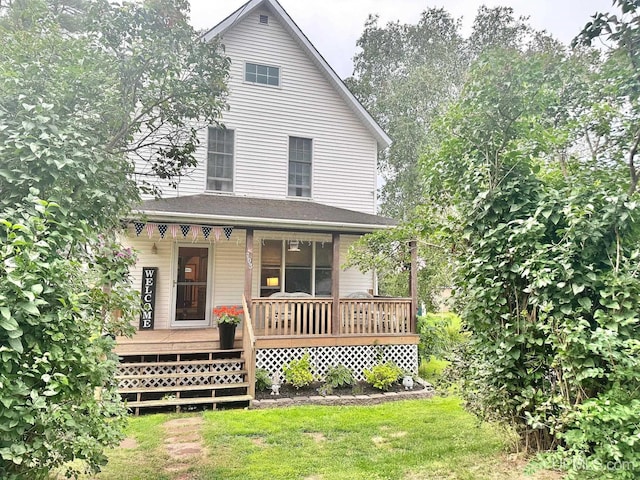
x: 335, y: 285
x: 248, y: 265
x: 413, y: 285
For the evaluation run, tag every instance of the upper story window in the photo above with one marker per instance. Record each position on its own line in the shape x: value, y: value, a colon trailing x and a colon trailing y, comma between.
x: 263, y: 74
x: 299, y: 167
x: 220, y: 160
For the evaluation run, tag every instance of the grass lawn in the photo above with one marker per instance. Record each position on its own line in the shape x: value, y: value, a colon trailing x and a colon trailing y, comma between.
x: 414, y: 439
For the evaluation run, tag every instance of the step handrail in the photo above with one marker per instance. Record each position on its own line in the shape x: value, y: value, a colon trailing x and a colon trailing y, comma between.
x: 249, y: 347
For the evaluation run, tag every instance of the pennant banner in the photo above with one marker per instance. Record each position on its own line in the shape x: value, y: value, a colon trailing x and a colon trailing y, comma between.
x: 138, y: 226
x: 184, y: 229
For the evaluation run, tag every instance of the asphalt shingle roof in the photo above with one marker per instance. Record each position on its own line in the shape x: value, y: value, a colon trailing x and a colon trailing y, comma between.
x: 247, y: 211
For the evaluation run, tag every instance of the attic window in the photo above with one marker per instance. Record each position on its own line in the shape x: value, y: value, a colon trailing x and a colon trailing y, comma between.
x: 264, y: 19
x: 263, y: 74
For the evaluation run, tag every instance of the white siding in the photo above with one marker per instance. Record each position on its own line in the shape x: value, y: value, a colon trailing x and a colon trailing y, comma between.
x: 163, y: 260
x: 351, y: 279
x: 304, y: 105
x: 228, y: 268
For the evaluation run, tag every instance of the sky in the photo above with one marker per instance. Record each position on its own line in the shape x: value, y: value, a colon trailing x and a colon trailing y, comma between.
x: 334, y: 26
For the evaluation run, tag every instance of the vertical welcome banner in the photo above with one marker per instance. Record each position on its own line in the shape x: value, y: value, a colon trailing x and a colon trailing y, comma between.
x: 148, y: 291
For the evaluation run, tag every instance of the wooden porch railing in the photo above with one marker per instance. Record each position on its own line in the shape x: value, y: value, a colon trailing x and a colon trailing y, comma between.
x: 249, y: 347
x: 292, y: 316
x: 312, y: 316
x: 375, y: 316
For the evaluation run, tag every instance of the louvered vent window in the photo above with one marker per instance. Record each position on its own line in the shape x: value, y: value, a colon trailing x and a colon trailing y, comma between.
x: 264, y: 19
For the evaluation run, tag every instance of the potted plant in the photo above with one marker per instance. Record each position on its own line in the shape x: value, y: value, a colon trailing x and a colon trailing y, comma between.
x: 228, y: 318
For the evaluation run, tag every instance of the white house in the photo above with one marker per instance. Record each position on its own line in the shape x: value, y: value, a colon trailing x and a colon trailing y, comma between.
x: 277, y: 198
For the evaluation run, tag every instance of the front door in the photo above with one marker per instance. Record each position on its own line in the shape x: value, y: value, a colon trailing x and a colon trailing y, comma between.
x: 192, y: 286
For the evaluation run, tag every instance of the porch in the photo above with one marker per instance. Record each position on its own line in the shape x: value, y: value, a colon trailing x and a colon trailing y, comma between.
x: 186, y: 367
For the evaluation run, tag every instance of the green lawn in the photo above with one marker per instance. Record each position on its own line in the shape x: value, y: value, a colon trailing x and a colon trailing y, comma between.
x: 415, y: 439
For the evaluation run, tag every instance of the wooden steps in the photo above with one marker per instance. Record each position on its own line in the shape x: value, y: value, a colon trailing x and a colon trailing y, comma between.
x: 190, y: 401
x: 155, y: 379
x: 182, y: 388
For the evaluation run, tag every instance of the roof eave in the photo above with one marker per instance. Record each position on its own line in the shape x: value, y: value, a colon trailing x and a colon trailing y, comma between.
x: 257, y: 222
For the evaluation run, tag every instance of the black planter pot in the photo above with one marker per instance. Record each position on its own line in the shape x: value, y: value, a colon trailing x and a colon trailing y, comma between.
x: 227, y: 333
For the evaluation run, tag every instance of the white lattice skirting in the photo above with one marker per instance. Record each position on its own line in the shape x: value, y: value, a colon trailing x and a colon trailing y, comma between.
x: 225, y: 373
x: 356, y: 358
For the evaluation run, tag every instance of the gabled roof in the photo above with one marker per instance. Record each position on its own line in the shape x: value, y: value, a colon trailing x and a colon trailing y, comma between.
x: 260, y: 212
x: 272, y: 5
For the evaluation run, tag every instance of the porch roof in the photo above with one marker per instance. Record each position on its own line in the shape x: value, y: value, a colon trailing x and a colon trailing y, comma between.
x: 260, y: 212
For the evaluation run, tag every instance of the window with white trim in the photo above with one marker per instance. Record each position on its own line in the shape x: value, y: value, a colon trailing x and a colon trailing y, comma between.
x: 262, y: 74
x: 220, y: 160
x: 296, y: 266
x: 299, y: 167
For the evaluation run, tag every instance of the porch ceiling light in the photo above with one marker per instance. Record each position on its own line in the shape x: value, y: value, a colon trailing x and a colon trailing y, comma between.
x: 294, y: 246
x: 272, y: 281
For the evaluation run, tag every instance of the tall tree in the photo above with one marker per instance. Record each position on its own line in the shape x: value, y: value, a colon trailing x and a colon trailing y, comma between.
x: 85, y: 88
x: 547, y: 236
x: 405, y: 75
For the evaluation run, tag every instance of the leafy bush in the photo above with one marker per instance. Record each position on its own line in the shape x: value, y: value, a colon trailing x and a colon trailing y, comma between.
x: 440, y: 334
x: 339, y: 376
x: 298, y: 372
x: 383, y: 375
x: 263, y: 380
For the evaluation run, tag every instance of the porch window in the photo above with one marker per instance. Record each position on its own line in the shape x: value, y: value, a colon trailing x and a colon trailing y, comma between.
x: 220, y: 160
x: 299, y: 167
x: 296, y: 266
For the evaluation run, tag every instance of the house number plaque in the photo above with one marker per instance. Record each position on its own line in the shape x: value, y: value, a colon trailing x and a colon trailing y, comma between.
x: 147, y: 313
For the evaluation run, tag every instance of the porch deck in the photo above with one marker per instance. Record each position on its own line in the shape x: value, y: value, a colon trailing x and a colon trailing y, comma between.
x: 186, y: 367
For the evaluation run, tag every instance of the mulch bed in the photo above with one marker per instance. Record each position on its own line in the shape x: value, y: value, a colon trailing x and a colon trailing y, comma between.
x: 360, y: 394
x: 360, y: 388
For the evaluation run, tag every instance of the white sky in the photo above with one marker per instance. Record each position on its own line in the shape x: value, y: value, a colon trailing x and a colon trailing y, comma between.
x: 334, y: 26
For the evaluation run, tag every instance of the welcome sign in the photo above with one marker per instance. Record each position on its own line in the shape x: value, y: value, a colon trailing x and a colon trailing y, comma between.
x: 147, y: 314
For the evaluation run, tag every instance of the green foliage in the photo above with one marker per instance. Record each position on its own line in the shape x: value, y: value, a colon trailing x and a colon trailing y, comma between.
x: 440, y: 334
x: 338, y: 376
x: 263, y: 380
x: 58, y: 399
x: 382, y: 375
x: 547, y: 246
x: 407, y: 74
x: 86, y: 87
x: 298, y: 372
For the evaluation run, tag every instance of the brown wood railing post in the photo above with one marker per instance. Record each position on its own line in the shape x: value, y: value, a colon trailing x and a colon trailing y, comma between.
x: 336, y: 321
x: 413, y: 287
x: 248, y: 265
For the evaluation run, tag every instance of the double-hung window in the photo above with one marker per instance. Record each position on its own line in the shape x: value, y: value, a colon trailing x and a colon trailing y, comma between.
x: 299, y: 167
x: 262, y: 74
x: 220, y: 160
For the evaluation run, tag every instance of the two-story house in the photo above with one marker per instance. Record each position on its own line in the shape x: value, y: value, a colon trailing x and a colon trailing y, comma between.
x: 278, y: 196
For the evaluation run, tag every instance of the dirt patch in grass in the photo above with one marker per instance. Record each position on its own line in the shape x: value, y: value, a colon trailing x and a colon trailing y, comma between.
x: 318, y: 437
x: 185, y: 440
x: 129, y: 443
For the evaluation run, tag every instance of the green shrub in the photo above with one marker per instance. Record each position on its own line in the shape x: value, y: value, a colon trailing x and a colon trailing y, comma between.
x: 298, y: 372
x: 440, y: 334
x: 383, y: 375
x: 263, y: 380
x: 339, y: 376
